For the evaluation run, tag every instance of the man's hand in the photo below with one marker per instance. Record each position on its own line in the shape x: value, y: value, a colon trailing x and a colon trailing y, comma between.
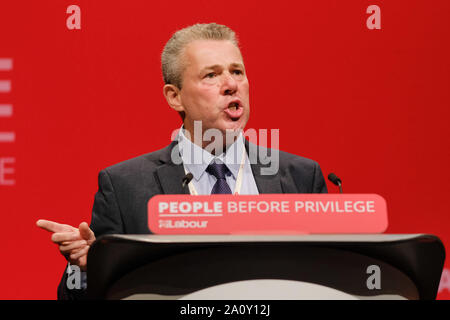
x: 73, y: 243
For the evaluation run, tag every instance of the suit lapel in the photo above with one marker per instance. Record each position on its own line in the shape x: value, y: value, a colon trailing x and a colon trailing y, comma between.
x: 265, y: 183
x: 170, y: 175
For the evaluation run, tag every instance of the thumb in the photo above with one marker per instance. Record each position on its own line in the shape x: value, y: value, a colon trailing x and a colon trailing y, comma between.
x: 85, y: 232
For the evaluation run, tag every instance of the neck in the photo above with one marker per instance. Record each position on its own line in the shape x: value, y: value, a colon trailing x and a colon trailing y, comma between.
x: 214, y: 141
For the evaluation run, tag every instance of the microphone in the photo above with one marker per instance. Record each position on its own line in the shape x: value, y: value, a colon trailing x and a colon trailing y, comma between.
x: 334, y: 178
x: 186, y: 179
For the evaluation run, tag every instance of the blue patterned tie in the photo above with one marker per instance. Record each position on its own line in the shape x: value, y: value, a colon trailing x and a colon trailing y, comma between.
x: 219, y: 170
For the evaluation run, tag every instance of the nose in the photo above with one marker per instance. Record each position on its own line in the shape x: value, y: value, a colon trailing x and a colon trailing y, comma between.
x: 229, y: 84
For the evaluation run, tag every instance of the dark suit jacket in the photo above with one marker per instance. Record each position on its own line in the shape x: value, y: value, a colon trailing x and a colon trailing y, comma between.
x: 120, y: 205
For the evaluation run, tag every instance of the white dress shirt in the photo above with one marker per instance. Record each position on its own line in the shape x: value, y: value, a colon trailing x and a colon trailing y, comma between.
x: 196, y: 160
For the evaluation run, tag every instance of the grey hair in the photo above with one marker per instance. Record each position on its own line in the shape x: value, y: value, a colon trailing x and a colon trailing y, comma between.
x: 171, y: 62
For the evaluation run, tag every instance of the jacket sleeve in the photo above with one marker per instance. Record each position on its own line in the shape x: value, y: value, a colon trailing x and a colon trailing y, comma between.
x: 106, y: 219
x: 106, y: 214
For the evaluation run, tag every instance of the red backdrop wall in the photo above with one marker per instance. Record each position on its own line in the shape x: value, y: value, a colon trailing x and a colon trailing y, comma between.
x: 370, y: 105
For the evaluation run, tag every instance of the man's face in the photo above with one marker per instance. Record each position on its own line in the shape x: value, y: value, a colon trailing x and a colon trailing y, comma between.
x: 215, y: 88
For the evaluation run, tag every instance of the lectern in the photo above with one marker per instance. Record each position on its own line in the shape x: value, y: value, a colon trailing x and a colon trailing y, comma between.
x: 378, y: 266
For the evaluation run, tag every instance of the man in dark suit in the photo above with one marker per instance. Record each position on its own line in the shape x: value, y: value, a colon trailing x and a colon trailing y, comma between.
x: 206, y: 83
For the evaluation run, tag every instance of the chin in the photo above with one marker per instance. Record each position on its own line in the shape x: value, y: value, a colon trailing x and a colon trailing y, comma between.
x: 233, y: 126
x: 236, y: 125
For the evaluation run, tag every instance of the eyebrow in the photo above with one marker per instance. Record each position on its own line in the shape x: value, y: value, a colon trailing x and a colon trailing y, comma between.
x: 233, y: 65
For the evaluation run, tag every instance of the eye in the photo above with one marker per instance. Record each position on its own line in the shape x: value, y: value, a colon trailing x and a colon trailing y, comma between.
x: 210, y: 75
x: 238, y: 72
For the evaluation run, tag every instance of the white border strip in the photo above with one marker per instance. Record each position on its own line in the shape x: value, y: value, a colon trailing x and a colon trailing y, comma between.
x: 191, y: 215
x: 5, y: 85
x: 7, y: 136
x: 6, y: 110
x: 6, y: 64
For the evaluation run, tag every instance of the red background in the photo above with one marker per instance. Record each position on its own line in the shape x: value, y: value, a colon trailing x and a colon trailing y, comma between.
x: 369, y: 105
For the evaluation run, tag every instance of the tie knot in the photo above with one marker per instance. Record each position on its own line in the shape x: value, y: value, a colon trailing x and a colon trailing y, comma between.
x: 218, y: 170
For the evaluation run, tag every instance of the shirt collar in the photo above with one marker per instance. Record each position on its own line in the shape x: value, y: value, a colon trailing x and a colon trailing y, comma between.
x: 197, y: 159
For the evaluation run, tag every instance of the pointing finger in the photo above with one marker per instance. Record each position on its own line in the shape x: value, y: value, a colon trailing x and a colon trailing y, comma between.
x: 53, y: 226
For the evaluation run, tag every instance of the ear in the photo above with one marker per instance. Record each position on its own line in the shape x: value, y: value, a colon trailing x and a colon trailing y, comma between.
x: 173, y: 97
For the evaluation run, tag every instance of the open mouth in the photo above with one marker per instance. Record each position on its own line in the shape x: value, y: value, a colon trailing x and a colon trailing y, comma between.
x: 233, y: 106
x: 234, y: 110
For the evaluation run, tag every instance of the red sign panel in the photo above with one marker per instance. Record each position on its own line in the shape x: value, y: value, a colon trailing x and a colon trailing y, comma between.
x: 267, y: 214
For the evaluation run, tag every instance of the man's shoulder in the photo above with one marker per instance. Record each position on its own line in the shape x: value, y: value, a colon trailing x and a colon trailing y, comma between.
x: 297, y: 174
x: 297, y: 166
x: 147, y: 161
x: 286, y: 159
